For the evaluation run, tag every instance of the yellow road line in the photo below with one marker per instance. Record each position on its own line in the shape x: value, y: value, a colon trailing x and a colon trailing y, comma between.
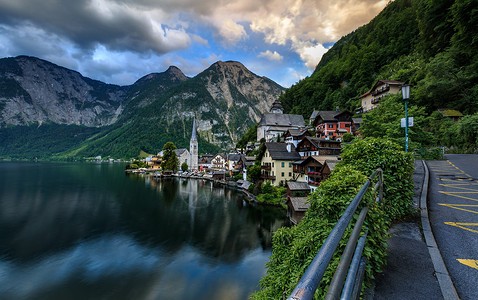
x: 457, y: 187
x: 462, y: 225
x: 459, y: 206
x: 469, y: 262
x: 452, y: 194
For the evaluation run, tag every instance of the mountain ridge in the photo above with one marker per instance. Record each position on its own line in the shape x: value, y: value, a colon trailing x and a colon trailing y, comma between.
x: 226, y: 98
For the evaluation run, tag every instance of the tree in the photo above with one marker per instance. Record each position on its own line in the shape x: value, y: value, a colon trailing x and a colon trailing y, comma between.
x: 184, y: 167
x: 170, y: 160
x: 254, y: 173
x: 384, y: 122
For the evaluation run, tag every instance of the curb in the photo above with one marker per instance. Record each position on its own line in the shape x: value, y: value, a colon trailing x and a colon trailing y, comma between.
x: 444, y: 281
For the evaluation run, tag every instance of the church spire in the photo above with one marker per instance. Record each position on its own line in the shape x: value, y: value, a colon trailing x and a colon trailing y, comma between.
x: 193, y: 136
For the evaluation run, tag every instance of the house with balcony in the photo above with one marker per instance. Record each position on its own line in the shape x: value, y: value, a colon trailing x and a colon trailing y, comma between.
x: 276, y: 162
x: 312, y: 169
x: 219, y: 162
x: 332, y: 124
x: 313, y: 146
x: 381, y: 88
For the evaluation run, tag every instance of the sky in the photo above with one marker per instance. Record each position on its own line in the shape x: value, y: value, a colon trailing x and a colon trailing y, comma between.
x: 120, y: 41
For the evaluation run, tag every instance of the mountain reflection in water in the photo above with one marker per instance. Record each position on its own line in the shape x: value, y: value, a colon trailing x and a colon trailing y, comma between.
x: 88, y: 231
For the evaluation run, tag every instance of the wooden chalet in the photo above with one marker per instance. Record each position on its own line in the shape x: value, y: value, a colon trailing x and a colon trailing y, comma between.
x: 310, y: 146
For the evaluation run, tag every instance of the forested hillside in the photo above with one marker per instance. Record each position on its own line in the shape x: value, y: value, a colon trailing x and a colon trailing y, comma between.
x: 431, y: 43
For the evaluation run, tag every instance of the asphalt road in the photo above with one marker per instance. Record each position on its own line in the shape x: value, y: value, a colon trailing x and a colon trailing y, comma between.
x: 453, y: 213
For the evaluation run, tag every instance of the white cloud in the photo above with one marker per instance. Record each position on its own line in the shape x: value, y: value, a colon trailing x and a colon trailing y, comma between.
x: 311, y: 55
x: 271, y: 55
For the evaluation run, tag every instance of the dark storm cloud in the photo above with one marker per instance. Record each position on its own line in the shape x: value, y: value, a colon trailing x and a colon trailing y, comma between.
x: 116, y: 25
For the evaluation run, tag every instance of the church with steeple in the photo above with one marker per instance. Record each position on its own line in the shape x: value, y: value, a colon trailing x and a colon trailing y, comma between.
x: 193, y: 148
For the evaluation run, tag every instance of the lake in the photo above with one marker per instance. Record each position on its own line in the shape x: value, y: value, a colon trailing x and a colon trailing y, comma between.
x: 90, y: 231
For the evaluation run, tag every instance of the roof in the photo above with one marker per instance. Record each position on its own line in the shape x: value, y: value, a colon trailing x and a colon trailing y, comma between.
x: 298, y: 186
x: 223, y: 155
x: 279, y: 151
x: 316, y: 141
x: 193, y: 135
x: 235, y: 157
x: 180, y: 152
x: 314, y: 114
x: 357, y: 120
x: 450, y: 113
x: 327, y: 158
x: 297, y: 132
x: 245, y: 184
x: 330, y: 115
x: 299, y: 203
x: 269, y: 119
x: 331, y: 164
x: 277, y: 105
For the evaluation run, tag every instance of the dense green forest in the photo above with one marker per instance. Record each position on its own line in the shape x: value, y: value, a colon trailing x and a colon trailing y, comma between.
x: 430, y: 43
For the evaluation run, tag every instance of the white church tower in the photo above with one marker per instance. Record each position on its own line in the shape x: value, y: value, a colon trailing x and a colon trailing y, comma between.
x: 193, y: 148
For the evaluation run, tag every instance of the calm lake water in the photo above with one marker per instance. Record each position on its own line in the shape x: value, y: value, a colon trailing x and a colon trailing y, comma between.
x: 89, y: 231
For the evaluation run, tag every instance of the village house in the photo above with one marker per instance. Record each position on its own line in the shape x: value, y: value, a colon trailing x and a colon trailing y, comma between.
x: 275, y: 123
x: 332, y: 124
x: 219, y: 162
x: 356, y: 123
x: 234, y: 162
x: 310, y: 146
x: 204, y: 162
x: 314, y: 169
x: 297, y: 203
x: 295, y: 136
x: 381, y: 88
x: 154, y: 162
x: 276, y: 162
x: 329, y: 166
x: 296, y: 208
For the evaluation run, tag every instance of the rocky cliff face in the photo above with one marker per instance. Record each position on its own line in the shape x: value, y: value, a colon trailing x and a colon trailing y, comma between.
x: 227, y: 100
x: 36, y: 91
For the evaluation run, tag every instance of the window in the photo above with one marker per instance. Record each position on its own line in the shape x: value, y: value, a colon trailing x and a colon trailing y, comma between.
x: 290, y: 174
x: 272, y: 164
x: 347, y: 125
x: 331, y: 126
x: 282, y: 174
x: 282, y: 165
x: 290, y: 165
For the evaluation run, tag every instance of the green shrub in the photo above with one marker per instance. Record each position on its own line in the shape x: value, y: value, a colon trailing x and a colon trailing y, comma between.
x: 271, y: 194
x: 371, y: 153
x: 296, y: 247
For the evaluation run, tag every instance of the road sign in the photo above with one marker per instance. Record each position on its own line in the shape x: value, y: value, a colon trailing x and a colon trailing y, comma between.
x: 410, y: 122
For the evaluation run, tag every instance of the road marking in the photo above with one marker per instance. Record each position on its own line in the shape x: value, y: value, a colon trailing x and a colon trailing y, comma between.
x: 462, y: 226
x: 458, y: 206
x: 469, y: 262
x: 453, y: 194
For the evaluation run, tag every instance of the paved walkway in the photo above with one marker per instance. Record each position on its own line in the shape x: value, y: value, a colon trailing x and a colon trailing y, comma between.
x: 409, y: 273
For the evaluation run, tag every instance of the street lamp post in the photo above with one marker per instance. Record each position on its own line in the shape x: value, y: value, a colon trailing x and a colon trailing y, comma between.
x: 406, y: 96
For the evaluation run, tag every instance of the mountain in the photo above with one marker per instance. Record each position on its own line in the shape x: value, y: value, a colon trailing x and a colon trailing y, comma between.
x: 36, y: 91
x: 41, y: 103
x: 430, y: 43
x: 227, y: 99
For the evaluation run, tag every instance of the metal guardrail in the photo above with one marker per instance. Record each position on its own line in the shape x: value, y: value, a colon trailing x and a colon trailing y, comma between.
x: 349, y: 267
